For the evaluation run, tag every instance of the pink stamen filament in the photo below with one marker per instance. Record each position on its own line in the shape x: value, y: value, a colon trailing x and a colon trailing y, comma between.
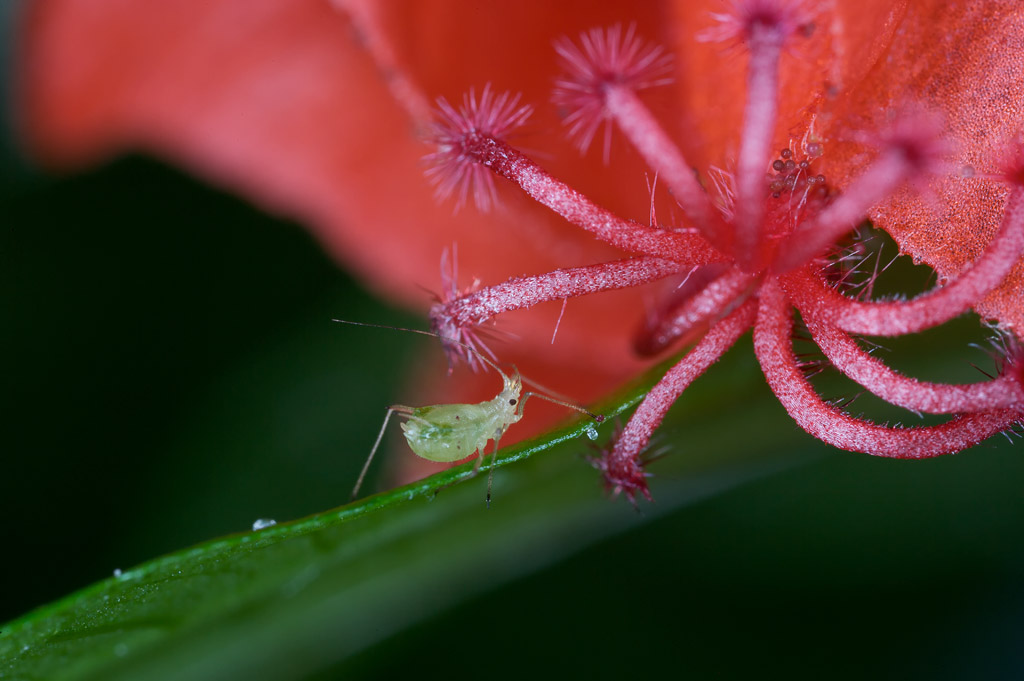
x: 365, y: 18
x: 661, y: 153
x: 929, y: 309
x: 627, y: 235
x: 773, y: 345
x: 716, y: 300
x: 523, y: 292
x: 759, y: 115
x: 843, y: 351
x: 879, y: 181
x: 623, y: 458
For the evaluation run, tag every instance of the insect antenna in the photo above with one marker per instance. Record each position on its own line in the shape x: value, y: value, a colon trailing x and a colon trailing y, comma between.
x: 549, y: 396
x: 554, y: 397
x: 543, y: 388
x: 599, y: 418
x: 468, y: 348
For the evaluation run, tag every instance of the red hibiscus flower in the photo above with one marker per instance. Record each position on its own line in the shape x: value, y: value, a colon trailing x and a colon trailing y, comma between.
x: 774, y: 127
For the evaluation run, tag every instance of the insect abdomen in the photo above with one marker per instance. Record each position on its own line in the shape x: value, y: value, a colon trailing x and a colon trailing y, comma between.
x: 447, y: 432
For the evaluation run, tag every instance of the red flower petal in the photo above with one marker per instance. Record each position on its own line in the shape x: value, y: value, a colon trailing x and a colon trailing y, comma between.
x: 963, y: 59
x: 281, y: 102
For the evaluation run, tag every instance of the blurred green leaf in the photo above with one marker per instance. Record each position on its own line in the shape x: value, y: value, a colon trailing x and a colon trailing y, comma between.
x: 301, y: 595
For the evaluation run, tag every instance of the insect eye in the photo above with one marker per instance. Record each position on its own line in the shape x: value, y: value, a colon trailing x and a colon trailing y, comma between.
x: 512, y: 402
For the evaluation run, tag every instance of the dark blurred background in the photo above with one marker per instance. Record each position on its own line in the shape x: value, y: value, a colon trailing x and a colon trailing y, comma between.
x: 171, y: 374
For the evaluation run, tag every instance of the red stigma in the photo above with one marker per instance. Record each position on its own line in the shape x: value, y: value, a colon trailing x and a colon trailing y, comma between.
x: 603, y: 59
x: 454, y: 169
x: 747, y: 20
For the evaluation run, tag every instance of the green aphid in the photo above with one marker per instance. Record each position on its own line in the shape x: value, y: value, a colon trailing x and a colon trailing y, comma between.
x: 452, y: 432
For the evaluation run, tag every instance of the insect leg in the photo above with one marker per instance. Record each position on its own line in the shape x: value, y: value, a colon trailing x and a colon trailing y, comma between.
x: 476, y: 471
x: 479, y: 460
x: 490, y: 474
x: 380, y: 436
